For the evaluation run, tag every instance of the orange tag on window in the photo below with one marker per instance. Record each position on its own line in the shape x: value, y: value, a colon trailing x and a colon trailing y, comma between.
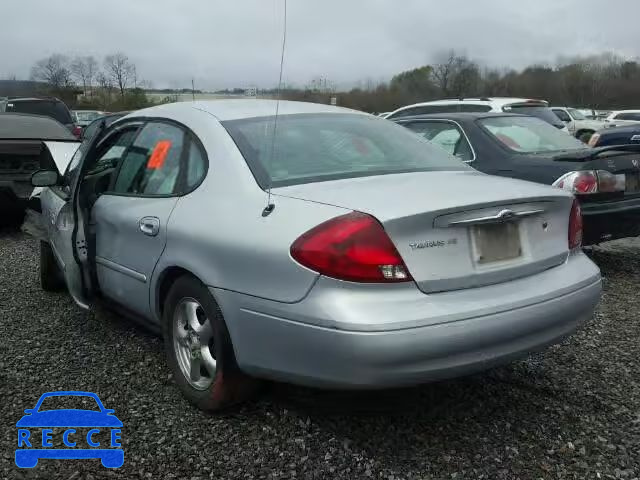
x: 159, y: 155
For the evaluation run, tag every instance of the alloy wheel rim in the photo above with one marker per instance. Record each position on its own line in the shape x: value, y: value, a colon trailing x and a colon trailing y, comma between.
x: 193, y: 343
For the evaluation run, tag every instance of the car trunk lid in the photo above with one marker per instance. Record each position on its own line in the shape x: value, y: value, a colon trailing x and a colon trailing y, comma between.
x: 457, y: 230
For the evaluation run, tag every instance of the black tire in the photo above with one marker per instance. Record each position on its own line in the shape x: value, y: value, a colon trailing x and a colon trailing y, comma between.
x: 230, y: 385
x: 50, y: 275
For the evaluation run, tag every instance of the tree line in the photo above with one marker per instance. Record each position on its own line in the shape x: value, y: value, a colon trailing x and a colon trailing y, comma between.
x: 112, y: 84
x: 605, y: 81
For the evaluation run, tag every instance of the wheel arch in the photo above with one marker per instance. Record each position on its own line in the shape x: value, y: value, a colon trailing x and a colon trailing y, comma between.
x: 163, y: 283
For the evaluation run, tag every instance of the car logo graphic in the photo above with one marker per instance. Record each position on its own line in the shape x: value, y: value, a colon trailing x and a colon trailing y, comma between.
x: 36, y: 437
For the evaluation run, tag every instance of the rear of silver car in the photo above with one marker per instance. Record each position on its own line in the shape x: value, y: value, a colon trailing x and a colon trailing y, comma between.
x: 479, y: 281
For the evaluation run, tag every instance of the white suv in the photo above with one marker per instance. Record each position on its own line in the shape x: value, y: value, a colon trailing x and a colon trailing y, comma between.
x: 579, y: 125
x: 535, y: 108
x: 622, y: 118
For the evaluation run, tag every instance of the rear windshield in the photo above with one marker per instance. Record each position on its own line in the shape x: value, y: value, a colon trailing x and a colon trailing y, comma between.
x: 56, y: 110
x: 311, y: 148
x: 529, y: 135
x: 540, y: 111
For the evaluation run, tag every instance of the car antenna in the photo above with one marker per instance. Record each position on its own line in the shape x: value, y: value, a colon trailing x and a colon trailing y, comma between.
x: 270, y: 205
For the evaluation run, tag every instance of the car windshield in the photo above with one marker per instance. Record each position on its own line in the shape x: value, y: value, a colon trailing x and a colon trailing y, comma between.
x: 56, y: 110
x: 540, y: 111
x: 68, y: 402
x: 576, y: 114
x: 529, y: 135
x: 319, y: 147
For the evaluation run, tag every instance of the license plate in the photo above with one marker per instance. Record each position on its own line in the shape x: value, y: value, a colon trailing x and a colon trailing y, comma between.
x: 496, y: 242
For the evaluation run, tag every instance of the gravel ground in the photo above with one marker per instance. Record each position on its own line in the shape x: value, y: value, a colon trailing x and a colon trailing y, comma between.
x: 574, y: 415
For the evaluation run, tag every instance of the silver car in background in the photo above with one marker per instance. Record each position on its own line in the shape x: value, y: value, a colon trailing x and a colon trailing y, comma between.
x: 324, y: 247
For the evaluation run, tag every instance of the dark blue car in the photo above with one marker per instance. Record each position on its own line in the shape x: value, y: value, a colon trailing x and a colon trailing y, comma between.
x: 616, y: 136
x: 36, y: 438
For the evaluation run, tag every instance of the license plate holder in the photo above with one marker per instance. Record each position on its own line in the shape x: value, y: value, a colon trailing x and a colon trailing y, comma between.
x: 496, y: 242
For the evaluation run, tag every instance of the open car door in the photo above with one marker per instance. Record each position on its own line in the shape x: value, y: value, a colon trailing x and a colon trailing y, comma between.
x: 64, y: 224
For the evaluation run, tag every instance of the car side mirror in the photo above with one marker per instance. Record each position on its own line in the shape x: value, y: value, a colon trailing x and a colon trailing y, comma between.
x: 45, y: 178
x: 29, y: 411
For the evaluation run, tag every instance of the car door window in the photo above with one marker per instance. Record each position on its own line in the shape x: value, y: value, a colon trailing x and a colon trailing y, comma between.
x: 153, y: 163
x: 102, y: 168
x: 562, y: 115
x: 446, y: 135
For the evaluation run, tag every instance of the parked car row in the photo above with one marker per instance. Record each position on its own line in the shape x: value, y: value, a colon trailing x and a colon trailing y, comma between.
x: 337, y: 250
x: 536, y: 108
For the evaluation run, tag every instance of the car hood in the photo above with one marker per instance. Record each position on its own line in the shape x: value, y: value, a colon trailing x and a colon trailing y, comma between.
x: 593, y: 124
x: 69, y: 418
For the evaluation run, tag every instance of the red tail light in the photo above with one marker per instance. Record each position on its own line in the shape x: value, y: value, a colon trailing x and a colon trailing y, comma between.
x: 77, y: 131
x: 575, y: 226
x: 591, y: 181
x: 352, y: 247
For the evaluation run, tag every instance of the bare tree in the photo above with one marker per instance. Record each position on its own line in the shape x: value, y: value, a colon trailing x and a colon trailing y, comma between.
x: 54, y: 71
x: 120, y: 70
x: 106, y: 88
x: 443, y: 72
x: 84, y: 69
x: 465, y: 78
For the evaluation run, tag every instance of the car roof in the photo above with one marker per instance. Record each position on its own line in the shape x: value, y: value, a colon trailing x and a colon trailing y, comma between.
x: 614, y: 112
x: 225, y: 110
x: 23, y: 126
x: 497, y: 101
x: 33, y: 99
x: 461, y: 116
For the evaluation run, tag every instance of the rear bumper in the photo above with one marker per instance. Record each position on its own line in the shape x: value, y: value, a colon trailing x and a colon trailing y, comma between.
x: 452, y: 334
x: 610, y: 220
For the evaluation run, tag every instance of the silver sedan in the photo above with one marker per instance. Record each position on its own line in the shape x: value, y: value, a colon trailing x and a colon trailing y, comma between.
x: 324, y: 247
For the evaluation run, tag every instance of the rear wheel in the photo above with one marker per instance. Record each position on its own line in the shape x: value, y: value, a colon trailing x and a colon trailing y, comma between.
x: 50, y: 275
x: 199, y: 350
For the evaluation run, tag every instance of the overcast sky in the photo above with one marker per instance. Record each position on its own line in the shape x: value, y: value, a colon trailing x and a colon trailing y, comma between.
x: 227, y: 43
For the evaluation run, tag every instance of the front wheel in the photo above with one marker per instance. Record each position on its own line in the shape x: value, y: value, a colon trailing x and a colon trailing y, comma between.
x: 198, y: 348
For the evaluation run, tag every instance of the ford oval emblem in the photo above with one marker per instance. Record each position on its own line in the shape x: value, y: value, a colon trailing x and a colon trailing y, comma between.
x: 506, y: 215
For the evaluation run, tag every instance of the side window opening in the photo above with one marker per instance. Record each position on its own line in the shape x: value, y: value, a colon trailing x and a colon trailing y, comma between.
x: 152, y: 164
x: 445, y: 135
